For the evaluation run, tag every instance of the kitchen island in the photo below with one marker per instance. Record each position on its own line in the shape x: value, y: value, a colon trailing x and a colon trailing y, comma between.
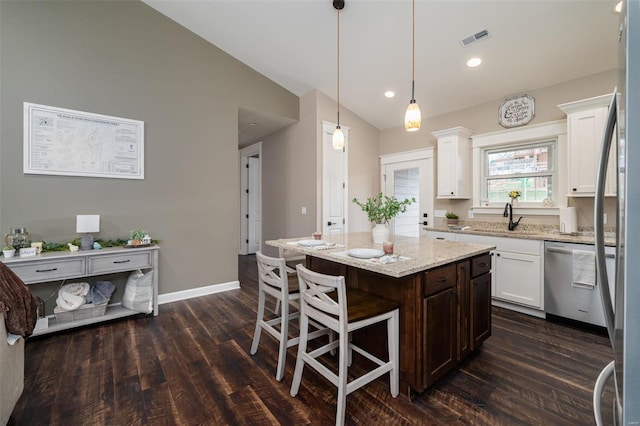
x: 443, y: 288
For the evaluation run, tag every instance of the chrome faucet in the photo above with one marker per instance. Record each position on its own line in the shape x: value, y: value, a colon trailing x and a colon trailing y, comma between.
x: 508, y: 212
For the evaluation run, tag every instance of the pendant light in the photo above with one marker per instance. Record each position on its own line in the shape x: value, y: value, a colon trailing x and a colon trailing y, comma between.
x: 412, y: 118
x: 337, y: 141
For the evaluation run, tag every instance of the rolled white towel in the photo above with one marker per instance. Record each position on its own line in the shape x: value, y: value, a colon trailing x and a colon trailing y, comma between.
x: 72, y: 296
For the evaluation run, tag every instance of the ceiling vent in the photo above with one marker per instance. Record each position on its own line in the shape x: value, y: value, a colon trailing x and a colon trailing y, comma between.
x: 481, y: 35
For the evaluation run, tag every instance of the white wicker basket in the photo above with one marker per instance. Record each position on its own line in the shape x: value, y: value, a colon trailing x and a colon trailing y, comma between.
x: 88, y: 310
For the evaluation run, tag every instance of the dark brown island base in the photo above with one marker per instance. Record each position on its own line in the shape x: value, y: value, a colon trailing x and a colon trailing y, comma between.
x: 443, y: 288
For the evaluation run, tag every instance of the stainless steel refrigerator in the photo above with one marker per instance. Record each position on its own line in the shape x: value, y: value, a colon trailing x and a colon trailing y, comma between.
x: 622, y: 139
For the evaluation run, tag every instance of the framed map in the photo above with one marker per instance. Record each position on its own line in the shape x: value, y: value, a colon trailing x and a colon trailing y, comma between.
x: 59, y: 141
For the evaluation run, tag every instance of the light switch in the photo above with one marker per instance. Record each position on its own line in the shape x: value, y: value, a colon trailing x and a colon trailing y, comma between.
x: 470, y: 214
x: 303, y: 210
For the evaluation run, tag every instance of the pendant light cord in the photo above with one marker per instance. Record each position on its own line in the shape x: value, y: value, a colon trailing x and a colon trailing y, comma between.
x: 413, y: 49
x: 338, y: 68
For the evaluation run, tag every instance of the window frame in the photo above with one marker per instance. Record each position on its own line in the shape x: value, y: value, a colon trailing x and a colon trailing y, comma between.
x: 525, y: 135
x: 552, y: 171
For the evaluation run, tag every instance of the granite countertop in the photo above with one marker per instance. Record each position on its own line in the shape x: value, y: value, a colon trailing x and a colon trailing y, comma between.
x: 529, y: 232
x: 416, y: 254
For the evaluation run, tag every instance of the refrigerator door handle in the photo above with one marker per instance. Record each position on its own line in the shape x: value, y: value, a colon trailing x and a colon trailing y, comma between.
x: 598, y: 389
x: 598, y: 211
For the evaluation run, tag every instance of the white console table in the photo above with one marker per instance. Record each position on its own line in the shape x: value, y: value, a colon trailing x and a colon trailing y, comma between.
x: 58, y: 266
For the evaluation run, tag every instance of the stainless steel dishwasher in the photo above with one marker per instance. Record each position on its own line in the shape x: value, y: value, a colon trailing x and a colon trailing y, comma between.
x: 563, y: 297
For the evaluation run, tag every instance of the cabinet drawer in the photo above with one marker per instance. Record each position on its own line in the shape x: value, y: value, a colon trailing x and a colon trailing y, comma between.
x: 480, y: 265
x: 49, y: 271
x: 119, y: 262
x: 440, y: 279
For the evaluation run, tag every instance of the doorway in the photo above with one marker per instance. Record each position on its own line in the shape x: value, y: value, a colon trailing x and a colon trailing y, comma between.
x: 251, y: 198
x: 410, y: 175
x: 334, y: 182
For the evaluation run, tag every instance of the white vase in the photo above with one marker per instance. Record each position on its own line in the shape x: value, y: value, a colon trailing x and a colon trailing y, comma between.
x: 380, y: 233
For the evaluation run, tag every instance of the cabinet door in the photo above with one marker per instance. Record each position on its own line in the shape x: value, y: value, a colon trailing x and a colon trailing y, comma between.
x: 464, y: 310
x: 480, y: 310
x: 585, y: 139
x: 518, y: 278
x: 447, y: 168
x: 440, y: 343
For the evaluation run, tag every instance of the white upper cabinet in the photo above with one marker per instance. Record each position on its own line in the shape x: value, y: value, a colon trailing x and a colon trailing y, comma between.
x: 454, y: 163
x: 585, y: 128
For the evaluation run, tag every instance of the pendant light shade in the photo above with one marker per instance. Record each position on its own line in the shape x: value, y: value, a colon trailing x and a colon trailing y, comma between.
x: 337, y: 140
x: 413, y: 117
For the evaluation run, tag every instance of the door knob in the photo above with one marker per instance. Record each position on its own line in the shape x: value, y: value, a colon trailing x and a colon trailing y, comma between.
x: 330, y: 223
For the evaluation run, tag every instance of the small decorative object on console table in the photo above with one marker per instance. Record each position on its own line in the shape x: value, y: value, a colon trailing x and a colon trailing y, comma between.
x: 138, y: 237
x: 380, y: 210
x: 85, y: 225
x: 8, y: 251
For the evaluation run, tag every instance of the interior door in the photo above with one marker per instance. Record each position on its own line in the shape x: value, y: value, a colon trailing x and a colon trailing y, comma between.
x: 334, y: 183
x: 411, y: 179
x: 254, y: 231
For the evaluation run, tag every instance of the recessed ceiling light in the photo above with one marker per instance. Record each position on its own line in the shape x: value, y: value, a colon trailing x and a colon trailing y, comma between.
x: 389, y: 94
x: 474, y: 62
x: 253, y: 123
x: 618, y: 7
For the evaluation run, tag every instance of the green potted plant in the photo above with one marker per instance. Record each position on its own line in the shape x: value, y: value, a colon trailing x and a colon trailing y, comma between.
x: 8, y: 251
x: 136, y: 237
x: 452, y: 218
x: 380, y: 210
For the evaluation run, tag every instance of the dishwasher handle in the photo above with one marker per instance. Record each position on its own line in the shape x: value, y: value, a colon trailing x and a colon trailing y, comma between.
x: 568, y: 251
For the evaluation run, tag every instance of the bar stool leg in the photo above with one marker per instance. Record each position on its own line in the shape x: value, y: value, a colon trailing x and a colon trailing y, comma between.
x: 344, y: 357
x: 284, y: 336
x: 393, y: 331
x: 302, y: 348
x: 256, y: 334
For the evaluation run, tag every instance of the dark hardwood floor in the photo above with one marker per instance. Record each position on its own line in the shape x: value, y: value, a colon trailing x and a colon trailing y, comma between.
x: 191, y: 366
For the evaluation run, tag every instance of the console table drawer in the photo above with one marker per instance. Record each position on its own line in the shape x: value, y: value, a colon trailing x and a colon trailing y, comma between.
x: 50, y: 271
x: 119, y: 262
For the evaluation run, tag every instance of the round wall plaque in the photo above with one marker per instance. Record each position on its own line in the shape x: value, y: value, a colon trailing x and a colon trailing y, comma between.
x: 516, y: 111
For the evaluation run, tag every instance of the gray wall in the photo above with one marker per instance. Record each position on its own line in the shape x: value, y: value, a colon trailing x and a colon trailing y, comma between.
x: 292, y: 170
x: 127, y: 60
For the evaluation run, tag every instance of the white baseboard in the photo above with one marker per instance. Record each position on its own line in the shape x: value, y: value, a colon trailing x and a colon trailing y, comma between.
x: 197, y: 292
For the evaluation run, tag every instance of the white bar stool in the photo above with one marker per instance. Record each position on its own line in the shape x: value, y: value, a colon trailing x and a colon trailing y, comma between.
x: 274, y: 280
x: 326, y: 300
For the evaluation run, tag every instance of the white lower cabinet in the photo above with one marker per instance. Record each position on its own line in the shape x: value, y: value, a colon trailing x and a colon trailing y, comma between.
x: 517, y: 269
x: 517, y: 278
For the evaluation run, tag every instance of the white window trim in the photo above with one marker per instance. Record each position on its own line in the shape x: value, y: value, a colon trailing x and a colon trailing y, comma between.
x: 552, y: 130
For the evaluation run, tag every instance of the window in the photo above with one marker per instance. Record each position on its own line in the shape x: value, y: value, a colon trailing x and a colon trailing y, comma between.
x: 527, y: 168
x: 528, y: 159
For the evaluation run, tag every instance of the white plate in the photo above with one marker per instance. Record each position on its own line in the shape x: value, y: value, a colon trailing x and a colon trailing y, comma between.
x: 365, y: 253
x: 311, y: 243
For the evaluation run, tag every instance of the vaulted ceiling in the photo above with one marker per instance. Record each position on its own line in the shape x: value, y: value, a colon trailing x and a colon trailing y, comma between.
x: 531, y: 44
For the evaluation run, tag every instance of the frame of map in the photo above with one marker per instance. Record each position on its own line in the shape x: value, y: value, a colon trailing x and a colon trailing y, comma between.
x: 59, y: 141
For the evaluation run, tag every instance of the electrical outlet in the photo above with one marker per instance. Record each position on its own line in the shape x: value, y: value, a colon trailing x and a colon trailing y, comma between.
x: 604, y: 218
x: 303, y: 210
x: 470, y: 214
x: 439, y: 213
